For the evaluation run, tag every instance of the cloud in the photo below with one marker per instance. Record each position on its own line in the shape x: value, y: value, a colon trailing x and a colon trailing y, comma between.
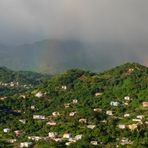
x: 107, y: 21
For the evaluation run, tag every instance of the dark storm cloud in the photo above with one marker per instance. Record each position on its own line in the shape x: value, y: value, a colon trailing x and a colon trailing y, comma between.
x: 105, y: 21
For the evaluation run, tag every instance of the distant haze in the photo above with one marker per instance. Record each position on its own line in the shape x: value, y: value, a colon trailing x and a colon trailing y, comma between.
x: 108, y: 25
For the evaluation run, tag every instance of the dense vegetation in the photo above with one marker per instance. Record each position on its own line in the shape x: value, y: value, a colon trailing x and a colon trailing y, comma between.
x: 78, y: 92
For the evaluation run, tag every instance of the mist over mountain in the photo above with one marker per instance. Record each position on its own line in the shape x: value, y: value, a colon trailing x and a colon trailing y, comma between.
x: 54, y: 56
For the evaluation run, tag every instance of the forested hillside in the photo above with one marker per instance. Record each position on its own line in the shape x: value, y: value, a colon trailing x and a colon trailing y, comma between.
x: 76, y: 109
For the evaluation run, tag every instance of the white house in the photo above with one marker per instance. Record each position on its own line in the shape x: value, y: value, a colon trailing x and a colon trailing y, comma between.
x: 74, y: 101
x: 22, y: 121
x: 97, y: 110
x: 94, y: 142
x: 52, y: 123
x: 39, y: 94
x: 126, y: 115
x: 133, y: 126
x: 98, y: 94
x: 52, y: 134
x: 39, y: 117
x: 67, y: 105
x: 25, y: 144
x: 109, y: 112
x: 145, y: 104
x: 78, y: 137
x: 67, y: 136
x: 121, y: 126
x: 112, y: 103
x: 55, y: 114
x: 6, y: 130
x: 140, y: 117
x: 82, y: 120
x: 127, y: 98
x: 64, y: 87
x: 12, y: 140
x: 71, y: 114
x: 136, y: 120
x: 91, y: 126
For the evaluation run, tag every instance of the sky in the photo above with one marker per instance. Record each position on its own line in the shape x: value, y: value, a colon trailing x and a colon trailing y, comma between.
x: 107, y: 21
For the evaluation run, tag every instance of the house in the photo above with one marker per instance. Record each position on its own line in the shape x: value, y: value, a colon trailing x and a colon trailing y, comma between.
x: 78, y: 137
x: 52, y: 134
x: 126, y: 103
x: 3, y: 98
x: 39, y: 95
x: 6, y: 130
x: 52, y: 123
x: 145, y: 104
x: 68, y: 143
x: 35, y: 138
x: 23, y: 121
x: 97, y: 110
x: 127, y: 98
x: 23, y: 96
x: 132, y: 126
x: 94, y: 142
x: 91, y: 126
x: 112, y: 103
x: 109, y: 112
x: 71, y: 114
x: 67, y: 105
x: 140, y: 117
x: 12, y: 140
x: 82, y: 120
x: 32, y: 107
x: 74, y: 101
x: 25, y: 144
x: 121, y: 126
x: 67, y: 136
x: 98, y: 94
x: 126, y: 115
x: 125, y: 141
x: 57, y: 139
x: 64, y: 87
x: 136, y: 120
x: 55, y: 114
x: 39, y: 117
x: 72, y: 140
x: 18, y: 132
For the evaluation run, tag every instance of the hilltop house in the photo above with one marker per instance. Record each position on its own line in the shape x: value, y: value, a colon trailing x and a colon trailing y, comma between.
x: 22, y: 121
x: 140, y: 117
x: 78, y: 137
x: 67, y: 105
x: 12, y: 141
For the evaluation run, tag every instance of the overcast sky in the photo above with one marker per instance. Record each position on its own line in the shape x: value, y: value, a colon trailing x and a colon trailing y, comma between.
x: 23, y: 21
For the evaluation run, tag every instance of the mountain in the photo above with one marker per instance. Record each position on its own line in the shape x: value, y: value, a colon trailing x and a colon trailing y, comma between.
x: 79, y: 108
x: 54, y: 56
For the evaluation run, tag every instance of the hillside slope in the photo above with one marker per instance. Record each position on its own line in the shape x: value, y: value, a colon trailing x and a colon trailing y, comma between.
x: 81, y: 109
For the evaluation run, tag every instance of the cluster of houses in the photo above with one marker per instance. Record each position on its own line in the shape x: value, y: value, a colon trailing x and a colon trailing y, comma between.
x: 67, y: 137
x: 15, y: 84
